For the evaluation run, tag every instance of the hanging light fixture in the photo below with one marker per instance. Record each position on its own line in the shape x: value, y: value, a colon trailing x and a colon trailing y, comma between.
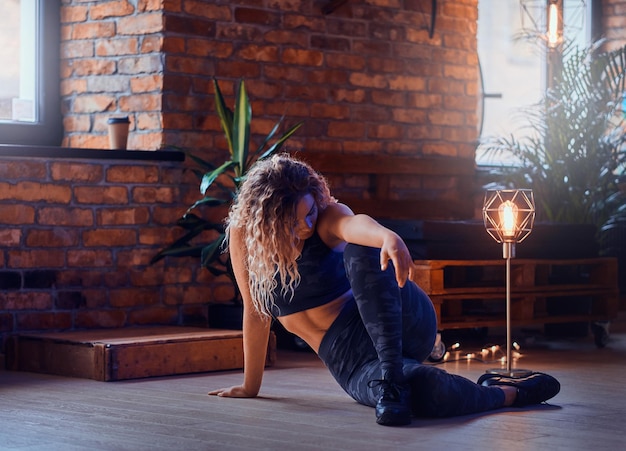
x: 509, y: 216
x: 554, y: 32
x: 550, y: 20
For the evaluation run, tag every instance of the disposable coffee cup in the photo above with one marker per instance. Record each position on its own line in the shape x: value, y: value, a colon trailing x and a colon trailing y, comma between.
x: 118, y: 132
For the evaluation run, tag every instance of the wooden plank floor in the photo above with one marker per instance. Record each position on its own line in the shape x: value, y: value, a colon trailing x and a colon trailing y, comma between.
x: 302, y: 408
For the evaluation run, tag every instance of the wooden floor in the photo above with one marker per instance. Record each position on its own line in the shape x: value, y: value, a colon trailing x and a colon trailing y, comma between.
x: 302, y: 408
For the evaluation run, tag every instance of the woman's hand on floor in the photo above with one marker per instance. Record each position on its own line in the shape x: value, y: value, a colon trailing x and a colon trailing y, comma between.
x: 233, y: 392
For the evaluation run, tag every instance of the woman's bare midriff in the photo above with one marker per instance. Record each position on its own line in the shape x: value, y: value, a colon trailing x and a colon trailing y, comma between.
x: 311, y: 325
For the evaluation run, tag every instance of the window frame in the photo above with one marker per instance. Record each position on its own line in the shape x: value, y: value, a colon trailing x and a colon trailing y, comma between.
x: 48, y: 129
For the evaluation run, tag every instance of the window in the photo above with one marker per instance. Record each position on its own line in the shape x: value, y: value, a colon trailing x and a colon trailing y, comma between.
x: 29, y: 72
x: 513, y: 69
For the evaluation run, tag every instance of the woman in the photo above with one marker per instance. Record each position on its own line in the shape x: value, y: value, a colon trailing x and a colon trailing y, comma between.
x: 342, y: 283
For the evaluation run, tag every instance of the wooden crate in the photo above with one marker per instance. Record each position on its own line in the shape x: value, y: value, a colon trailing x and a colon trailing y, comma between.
x: 472, y: 293
x: 129, y: 353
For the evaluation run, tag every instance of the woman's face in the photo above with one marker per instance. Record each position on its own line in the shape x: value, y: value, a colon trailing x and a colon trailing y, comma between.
x: 306, y: 217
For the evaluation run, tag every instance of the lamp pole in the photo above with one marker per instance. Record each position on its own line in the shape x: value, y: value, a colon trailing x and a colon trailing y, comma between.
x: 509, y: 217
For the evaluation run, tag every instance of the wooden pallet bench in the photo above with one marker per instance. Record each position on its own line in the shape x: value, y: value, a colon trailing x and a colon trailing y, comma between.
x: 130, y: 353
x: 472, y: 293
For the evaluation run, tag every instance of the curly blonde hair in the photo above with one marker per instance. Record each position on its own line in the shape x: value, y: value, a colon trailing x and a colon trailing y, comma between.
x: 265, y: 212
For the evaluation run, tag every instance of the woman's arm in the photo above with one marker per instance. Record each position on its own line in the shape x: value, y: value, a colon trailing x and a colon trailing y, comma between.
x: 256, y: 328
x: 337, y: 223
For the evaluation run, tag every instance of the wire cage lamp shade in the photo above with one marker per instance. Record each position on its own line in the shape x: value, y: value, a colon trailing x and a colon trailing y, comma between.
x: 509, y: 214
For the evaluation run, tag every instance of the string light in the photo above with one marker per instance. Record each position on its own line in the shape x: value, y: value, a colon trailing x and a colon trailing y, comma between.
x: 487, y: 354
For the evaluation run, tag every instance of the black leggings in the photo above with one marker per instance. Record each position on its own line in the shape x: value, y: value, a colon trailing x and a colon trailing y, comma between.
x: 384, y: 328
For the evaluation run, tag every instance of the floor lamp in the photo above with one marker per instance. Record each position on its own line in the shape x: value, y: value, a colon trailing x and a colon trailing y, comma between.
x: 509, y: 215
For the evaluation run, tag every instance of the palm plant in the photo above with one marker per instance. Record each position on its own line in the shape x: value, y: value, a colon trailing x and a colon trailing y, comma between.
x: 219, y: 184
x: 574, y: 150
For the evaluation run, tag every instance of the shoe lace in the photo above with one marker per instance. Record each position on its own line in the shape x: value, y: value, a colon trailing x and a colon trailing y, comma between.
x: 388, y: 389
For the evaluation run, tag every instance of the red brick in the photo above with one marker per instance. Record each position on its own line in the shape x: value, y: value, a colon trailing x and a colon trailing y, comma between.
x: 115, y: 47
x: 95, y: 299
x: 152, y: 195
x: 16, y: 214
x: 21, y: 170
x: 149, y: 121
x: 93, y: 30
x: 140, y: 102
x: 123, y: 216
x: 302, y: 57
x: 326, y: 110
x: 25, y: 300
x: 155, y: 5
x: 208, y: 10
x: 101, y: 195
x: 33, y: 192
x: 346, y: 130
x: 76, y: 49
x: 94, y: 103
x: 84, y: 258
x: 153, y: 315
x: 297, y: 21
x: 9, y: 238
x: 44, y: 321
x: 141, y: 24
x: 132, y: 174
x: 100, y: 319
x: 89, y: 66
x: 385, y: 131
x: 152, y: 44
x: 109, y: 9
x: 135, y: 257
x: 74, y: 13
x: 134, y: 297
x: 147, y: 141
x: 292, y: 38
x: 110, y: 237
x: 76, y: 172
x: 178, y: 295
x: 446, y: 118
x: 36, y: 259
x: 258, y: 53
x: 256, y: 16
x: 65, y: 216
x: 147, y: 83
x: 73, y: 86
x: 57, y: 237
x: 152, y: 236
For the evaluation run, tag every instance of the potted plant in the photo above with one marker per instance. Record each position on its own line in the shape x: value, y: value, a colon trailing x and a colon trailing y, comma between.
x: 573, y: 152
x: 219, y: 185
x: 572, y: 157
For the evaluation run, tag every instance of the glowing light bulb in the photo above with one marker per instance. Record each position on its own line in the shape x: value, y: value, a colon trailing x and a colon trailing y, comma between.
x: 508, y: 218
x: 553, y: 25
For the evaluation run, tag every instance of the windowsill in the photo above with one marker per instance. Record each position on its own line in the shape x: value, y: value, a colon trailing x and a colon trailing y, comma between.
x: 8, y: 150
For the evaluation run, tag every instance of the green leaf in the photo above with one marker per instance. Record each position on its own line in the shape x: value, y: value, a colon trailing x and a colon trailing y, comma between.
x: 241, y: 130
x: 210, y: 177
x: 212, y: 252
x: 278, y: 144
x: 225, y: 115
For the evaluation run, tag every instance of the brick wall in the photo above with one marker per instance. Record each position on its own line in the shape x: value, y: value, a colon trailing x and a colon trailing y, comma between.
x: 614, y: 22
x: 76, y: 239
x: 111, y: 65
x: 365, y: 78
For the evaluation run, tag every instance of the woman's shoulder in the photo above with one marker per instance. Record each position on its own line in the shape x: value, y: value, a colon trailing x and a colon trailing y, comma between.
x: 336, y: 209
x: 328, y: 221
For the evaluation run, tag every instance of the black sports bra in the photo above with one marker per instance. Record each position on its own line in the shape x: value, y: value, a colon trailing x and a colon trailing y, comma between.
x: 322, y: 279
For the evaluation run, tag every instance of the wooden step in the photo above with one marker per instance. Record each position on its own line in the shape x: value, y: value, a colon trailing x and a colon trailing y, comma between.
x: 130, y: 353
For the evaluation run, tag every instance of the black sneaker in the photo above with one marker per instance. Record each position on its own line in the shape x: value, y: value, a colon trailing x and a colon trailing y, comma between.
x: 532, y: 389
x: 393, y: 407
